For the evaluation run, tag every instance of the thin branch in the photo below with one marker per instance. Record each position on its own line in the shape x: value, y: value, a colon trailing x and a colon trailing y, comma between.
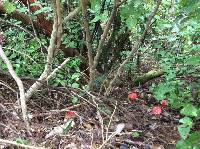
x: 72, y: 14
x: 48, y: 65
x: 32, y: 24
x: 106, y: 141
x: 59, y: 25
x: 84, y: 4
x: 7, y: 86
x: 2, y: 141
x: 107, y: 129
x: 20, y: 86
x: 23, y: 54
x: 134, y: 49
x: 58, y: 68
x: 17, y: 26
x: 105, y: 32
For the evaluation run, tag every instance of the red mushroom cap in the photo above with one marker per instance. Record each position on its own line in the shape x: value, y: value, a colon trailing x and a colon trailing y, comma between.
x: 132, y: 96
x: 69, y: 114
x: 156, y: 110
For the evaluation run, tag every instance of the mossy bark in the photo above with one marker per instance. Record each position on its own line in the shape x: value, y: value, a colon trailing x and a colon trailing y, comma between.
x: 147, y: 77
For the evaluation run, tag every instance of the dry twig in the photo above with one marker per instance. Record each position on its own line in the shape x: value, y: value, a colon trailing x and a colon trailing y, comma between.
x: 2, y: 141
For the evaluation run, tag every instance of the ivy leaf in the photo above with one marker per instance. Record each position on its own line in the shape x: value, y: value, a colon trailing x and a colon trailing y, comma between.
x: 194, y: 60
x: 97, y: 18
x: 74, y: 100
x: 42, y: 10
x: 189, y: 110
x: 161, y: 90
x: 192, y: 142
x: 9, y: 7
x: 95, y: 3
x: 75, y: 85
x: 181, y: 144
x: 194, y: 138
x: 186, y: 121
x: 135, y: 134
x: 184, y: 131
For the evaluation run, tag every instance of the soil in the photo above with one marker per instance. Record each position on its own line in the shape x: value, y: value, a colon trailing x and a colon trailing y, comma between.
x: 93, y: 114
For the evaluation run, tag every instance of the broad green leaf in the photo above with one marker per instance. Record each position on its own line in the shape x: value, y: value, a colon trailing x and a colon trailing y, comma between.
x: 104, y: 17
x: 21, y: 141
x: 181, y: 144
x: 184, y: 131
x: 97, y: 18
x: 194, y: 138
x: 9, y: 7
x: 161, y: 90
x: 42, y: 10
x: 194, y: 60
x: 75, y: 85
x: 95, y: 4
x: 189, y: 110
x: 190, y: 143
x: 74, y: 100
x: 186, y: 121
x: 135, y: 134
x: 131, y: 22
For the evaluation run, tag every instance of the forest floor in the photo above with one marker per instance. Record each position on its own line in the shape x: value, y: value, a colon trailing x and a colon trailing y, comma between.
x: 49, y: 109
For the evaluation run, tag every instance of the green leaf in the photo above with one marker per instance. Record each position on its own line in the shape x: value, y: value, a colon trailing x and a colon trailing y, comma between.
x: 194, y: 60
x: 194, y: 138
x: 135, y: 134
x: 42, y: 10
x: 131, y: 22
x: 74, y: 100
x: 184, y: 131
x: 69, y: 125
x: 75, y: 85
x: 21, y: 141
x: 9, y: 7
x: 189, y: 110
x: 97, y: 18
x: 161, y: 90
x: 104, y: 17
x: 186, y: 121
x: 94, y: 4
x: 191, y: 142
x: 181, y: 145
x: 13, y: 55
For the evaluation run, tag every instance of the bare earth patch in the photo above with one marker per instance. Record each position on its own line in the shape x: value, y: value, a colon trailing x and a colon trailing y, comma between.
x: 93, y: 113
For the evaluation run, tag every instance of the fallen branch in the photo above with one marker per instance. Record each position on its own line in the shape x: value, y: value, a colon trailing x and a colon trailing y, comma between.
x: 148, y: 76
